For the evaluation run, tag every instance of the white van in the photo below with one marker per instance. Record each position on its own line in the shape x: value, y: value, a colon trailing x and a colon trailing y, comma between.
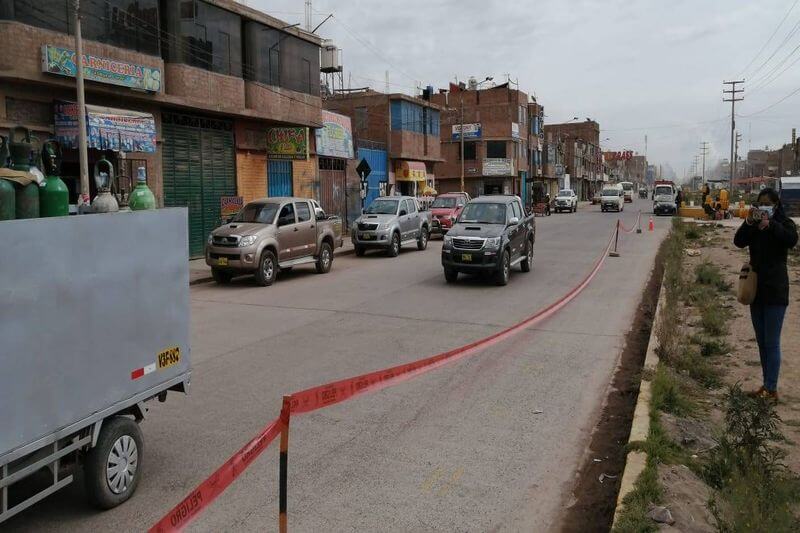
x: 612, y: 198
x: 627, y: 188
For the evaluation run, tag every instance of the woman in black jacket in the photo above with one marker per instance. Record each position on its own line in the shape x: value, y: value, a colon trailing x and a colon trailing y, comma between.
x: 770, y: 234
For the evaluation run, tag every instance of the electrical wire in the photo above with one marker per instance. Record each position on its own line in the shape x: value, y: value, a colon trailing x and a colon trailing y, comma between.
x: 789, y: 35
x: 770, y: 38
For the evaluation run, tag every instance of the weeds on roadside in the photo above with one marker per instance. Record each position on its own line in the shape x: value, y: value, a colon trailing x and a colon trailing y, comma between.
x: 712, y: 319
x: 646, y: 490
x: 692, y: 232
x: 756, y: 492
x: 668, y: 393
x: 700, y: 369
x: 707, y: 273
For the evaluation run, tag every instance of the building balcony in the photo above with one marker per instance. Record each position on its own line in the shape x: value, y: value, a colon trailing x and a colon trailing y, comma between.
x: 202, y: 88
x: 283, y: 105
x: 414, y: 146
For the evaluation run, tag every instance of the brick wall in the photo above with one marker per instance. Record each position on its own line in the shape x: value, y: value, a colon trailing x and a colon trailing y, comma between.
x: 251, y: 175
x: 283, y: 105
x: 304, y: 178
x: 203, y: 88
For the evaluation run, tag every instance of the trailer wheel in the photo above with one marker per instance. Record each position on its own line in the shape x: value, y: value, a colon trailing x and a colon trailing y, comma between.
x: 113, y: 467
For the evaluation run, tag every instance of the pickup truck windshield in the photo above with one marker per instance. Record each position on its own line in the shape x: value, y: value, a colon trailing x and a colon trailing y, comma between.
x: 565, y: 193
x: 258, y: 213
x: 483, y: 213
x: 663, y: 191
x: 444, y: 203
x: 382, y: 207
x: 610, y: 192
x: 626, y: 185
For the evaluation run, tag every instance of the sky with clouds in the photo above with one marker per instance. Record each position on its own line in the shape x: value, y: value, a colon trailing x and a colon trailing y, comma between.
x: 639, y: 68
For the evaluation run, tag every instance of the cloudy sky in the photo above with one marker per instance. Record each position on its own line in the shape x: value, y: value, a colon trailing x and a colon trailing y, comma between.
x: 639, y: 68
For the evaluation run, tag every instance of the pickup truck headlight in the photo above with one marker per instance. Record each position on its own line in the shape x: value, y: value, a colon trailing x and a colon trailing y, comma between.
x: 210, y: 239
x: 247, y: 240
x: 493, y: 243
x: 383, y: 226
x: 448, y: 241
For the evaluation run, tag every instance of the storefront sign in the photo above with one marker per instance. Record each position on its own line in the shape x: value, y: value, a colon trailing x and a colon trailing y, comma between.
x: 626, y: 155
x: 61, y: 61
x: 498, y: 167
x: 471, y: 131
x: 106, y: 128
x: 335, y: 137
x: 287, y: 143
x: 559, y: 170
x: 514, y: 130
x: 230, y: 205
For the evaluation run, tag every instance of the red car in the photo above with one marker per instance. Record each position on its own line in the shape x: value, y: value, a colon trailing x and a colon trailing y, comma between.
x: 445, y: 209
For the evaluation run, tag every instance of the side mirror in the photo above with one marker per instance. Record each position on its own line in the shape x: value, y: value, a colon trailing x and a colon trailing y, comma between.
x: 513, y: 221
x: 403, y: 212
x: 319, y: 213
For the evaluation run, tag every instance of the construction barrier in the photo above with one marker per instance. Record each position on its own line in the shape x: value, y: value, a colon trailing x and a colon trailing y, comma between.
x: 322, y: 396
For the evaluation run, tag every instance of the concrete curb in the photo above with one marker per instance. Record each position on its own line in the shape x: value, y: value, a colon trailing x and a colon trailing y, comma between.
x: 640, y: 426
x: 208, y: 278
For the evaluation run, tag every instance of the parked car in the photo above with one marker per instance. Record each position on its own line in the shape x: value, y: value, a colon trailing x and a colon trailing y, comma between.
x: 612, y: 198
x: 389, y: 223
x: 445, y: 210
x: 273, y: 234
x: 664, y: 199
x: 492, y: 234
x: 567, y: 201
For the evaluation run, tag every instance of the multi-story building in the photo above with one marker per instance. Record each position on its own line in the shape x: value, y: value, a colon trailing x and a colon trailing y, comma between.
x: 583, y: 156
x: 498, y: 125
x: 191, y: 90
x: 396, y: 135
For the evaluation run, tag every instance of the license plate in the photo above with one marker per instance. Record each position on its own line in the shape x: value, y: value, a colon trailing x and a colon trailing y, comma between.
x: 169, y: 357
x: 367, y: 236
x: 467, y: 258
x: 222, y: 261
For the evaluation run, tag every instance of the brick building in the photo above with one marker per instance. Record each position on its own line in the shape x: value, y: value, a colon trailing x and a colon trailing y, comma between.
x: 502, y: 140
x: 204, y: 81
x: 583, y: 159
x: 398, y: 136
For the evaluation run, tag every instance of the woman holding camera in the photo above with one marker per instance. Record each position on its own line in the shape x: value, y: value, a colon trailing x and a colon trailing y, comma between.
x: 769, y: 234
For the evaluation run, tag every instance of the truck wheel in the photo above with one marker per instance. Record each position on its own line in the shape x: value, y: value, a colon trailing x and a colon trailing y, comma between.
x: 504, y: 271
x: 267, y: 269
x: 527, y: 263
x: 422, y: 241
x: 450, y: 275
x: 325, y: 259
x: 360, y: 251
x: 113, y: 467
x: 220, y: 276
x: 394, y: 247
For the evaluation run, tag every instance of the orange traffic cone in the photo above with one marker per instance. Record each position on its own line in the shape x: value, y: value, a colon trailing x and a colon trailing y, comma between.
x: 651, y: 226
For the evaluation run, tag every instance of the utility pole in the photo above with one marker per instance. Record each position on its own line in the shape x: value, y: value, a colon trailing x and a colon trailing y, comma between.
x: 733, y: 99
x: 461, y: 137
x: 735, y: 156
x: 309, y: 16
x: 83, y: 155
x: 704, y: 151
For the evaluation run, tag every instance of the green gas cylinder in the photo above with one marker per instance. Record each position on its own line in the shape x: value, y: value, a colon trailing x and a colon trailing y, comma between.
x: 8, y: 200
x: 53, y: 195
x: 141, y: 197
x: 27, y: 197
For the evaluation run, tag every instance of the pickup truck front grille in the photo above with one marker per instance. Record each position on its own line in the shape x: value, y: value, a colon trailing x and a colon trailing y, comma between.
x: 226, y: 241
x: 367, y: 227
x: 468, y: 244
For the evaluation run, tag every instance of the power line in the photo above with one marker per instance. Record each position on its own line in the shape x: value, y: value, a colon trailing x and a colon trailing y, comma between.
x: 770, y: 38
x: 785, y: 40
x: 766, y: 80
x: 733, y: 99
x: 774, y: 104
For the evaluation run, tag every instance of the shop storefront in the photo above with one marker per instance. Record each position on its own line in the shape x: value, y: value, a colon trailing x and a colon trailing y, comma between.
x: 289, y: 171
x: 334, y: 147
x: 199, y: 168
x: 410, y: 177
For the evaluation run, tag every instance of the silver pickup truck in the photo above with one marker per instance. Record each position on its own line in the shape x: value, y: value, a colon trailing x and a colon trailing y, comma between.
x: 389, y: 223
x: 273, y: 234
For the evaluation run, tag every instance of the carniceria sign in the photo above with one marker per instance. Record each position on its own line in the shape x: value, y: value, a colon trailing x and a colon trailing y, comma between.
x: 61, y: 61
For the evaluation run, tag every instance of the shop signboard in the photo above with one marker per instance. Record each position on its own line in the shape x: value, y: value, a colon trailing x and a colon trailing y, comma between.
x: 287, y: 143
x: 107, y: 128
x: 498, y: 167
x: 229, y: 206
x: 335, y: 137
x: 61, y: 61
x: 514, y: 130
x: 471, y: 131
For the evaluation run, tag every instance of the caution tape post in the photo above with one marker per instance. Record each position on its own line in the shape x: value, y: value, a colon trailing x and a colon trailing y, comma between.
x: 614, y: 252
x: 639, y: 222
x: 283, y: 464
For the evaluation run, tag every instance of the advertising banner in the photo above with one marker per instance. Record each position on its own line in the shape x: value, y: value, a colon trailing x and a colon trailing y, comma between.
x: 107, y: 128
x: 335, y: 137
x: 471, y: 131
x: 287, y: 143
x: 498, y: 167
x: 229, y: 206
x: 61, y: 61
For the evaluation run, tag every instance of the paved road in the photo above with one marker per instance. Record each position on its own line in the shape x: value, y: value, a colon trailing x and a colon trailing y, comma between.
x: 487, y: 443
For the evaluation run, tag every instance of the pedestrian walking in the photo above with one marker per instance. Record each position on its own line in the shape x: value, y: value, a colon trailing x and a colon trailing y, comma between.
x: 769, y: 234
x: 679, y: 198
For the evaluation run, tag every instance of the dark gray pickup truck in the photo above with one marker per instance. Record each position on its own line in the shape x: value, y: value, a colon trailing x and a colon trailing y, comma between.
x: 491, y: 235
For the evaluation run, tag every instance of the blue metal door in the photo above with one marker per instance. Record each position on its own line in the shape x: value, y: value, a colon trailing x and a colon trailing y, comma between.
x: 279, y: 178
x: 377, y: 162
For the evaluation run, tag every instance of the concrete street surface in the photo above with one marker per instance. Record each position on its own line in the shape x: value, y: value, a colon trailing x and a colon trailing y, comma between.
x: 491, y: 442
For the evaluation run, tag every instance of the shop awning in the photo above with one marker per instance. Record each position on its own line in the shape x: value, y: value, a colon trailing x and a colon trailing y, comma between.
x: 107, y: 128
x: 410, y: 171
